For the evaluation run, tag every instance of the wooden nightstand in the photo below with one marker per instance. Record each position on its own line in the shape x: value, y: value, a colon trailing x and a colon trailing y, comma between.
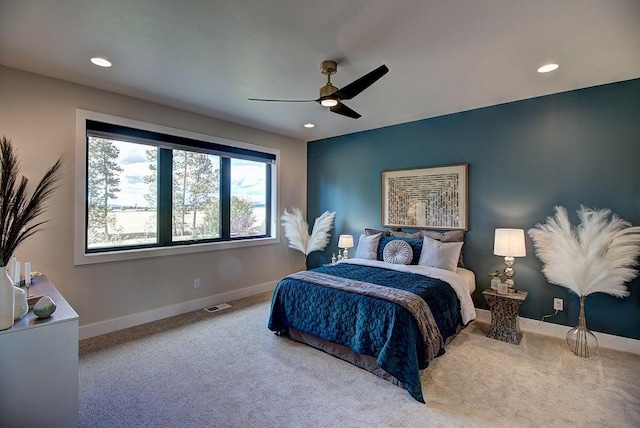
x: 504, y: 315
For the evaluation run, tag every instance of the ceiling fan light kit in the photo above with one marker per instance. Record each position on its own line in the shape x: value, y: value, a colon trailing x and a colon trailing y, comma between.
x: 332, y: 97
x: 329, y: 102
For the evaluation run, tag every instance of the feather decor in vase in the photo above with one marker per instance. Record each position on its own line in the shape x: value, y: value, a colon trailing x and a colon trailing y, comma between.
x: 296, y: 229
x: 597, y: 256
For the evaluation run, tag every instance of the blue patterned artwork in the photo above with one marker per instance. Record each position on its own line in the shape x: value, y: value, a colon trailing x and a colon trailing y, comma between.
x: 434, y: 198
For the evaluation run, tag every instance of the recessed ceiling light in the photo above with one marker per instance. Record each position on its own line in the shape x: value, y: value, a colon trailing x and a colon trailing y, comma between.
x: 309, y: 125
x: 101, y: 62
x: 547, y: 68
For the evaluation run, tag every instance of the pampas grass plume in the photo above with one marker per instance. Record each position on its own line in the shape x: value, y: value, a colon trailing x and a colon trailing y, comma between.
x: 597, y: 256
x: 296, y: 229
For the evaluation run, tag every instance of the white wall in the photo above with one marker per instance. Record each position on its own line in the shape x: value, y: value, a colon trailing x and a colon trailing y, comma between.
x: 38, y: 114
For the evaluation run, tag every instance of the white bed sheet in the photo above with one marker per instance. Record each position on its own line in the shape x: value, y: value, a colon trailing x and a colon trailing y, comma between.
x: 470, y: 278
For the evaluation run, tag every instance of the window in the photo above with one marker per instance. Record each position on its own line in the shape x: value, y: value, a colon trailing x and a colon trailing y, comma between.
x: 121, y: 200
x: 148, y: 190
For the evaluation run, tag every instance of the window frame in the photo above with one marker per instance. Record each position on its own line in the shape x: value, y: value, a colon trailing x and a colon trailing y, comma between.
x: 84, y: 256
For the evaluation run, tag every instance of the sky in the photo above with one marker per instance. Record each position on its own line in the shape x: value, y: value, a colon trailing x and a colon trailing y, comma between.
x: 246, y: 178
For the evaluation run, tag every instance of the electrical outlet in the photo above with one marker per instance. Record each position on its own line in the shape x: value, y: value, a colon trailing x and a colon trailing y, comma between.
x: 196, y: 283
x: 557, y: 304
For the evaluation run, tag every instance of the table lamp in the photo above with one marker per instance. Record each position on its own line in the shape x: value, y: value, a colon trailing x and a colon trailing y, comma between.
x: 345, y: 241
x: 509, y: 243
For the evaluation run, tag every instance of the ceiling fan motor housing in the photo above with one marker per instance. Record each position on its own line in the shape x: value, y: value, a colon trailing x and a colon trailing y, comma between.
x: 327, y: 90
x: 328, y: 68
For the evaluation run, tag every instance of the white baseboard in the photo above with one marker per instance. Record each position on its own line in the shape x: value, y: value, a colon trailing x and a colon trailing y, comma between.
x: 605, y: 340
x: 132, y: 320
x: 526, y: 324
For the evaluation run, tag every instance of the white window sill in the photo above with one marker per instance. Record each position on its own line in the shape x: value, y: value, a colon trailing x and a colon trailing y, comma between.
x: 143, y: 253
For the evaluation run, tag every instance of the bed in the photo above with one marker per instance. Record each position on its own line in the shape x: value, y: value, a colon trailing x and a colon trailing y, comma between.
x: 390, y: 318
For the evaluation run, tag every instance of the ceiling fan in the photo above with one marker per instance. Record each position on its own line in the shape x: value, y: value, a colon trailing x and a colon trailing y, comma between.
x: 332, y: 97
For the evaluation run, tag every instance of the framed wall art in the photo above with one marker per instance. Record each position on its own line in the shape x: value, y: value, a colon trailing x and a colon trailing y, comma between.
x: 426, y: 198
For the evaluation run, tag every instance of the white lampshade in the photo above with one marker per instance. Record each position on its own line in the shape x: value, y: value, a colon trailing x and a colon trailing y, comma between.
x: 345, y: 241
x: 509, y: 242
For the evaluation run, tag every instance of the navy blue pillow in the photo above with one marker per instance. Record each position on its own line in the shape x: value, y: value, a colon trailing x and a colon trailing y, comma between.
x: 416, y: 246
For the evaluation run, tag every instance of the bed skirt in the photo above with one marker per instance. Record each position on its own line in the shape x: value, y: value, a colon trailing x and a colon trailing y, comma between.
x: 344, y: 353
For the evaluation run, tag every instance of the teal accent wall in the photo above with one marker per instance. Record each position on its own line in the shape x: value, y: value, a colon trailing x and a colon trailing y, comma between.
x: 575, y: 148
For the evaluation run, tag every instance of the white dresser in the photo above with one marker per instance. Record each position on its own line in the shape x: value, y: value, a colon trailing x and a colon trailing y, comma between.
x: 39, y: 366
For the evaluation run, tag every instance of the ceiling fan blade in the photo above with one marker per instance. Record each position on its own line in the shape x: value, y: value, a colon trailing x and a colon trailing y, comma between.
x: 345, y: 111
x: 359, y: 85
x: 280, y: 101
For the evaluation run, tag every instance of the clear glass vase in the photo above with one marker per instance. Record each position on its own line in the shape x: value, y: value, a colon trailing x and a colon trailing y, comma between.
x: 581, y: 341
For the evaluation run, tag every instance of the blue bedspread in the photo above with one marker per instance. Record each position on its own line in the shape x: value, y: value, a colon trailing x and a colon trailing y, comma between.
x: 368, y: 325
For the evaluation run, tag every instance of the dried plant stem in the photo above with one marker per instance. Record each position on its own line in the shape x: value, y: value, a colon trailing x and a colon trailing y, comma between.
x: 581, y: 341
x: 18, y: 211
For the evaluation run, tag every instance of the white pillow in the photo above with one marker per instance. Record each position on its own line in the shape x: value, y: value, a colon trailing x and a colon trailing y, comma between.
x: 397, y: 252
x: 442, y: 255
x: 368, y: 246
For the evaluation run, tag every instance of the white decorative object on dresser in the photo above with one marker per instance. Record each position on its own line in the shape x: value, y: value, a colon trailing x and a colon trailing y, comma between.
x: 39, y: 366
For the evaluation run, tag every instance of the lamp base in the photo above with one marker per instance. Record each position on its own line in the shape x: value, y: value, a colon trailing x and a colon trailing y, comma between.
x: 509, y: 273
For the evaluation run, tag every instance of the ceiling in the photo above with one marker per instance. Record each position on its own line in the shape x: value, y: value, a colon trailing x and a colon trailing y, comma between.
x: 208, y: 56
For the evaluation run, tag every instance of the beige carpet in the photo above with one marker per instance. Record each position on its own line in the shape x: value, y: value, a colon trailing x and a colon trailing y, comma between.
x: 228, y: 370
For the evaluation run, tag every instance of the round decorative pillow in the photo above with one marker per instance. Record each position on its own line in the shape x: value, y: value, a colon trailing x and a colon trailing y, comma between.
x: 397, y: 252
